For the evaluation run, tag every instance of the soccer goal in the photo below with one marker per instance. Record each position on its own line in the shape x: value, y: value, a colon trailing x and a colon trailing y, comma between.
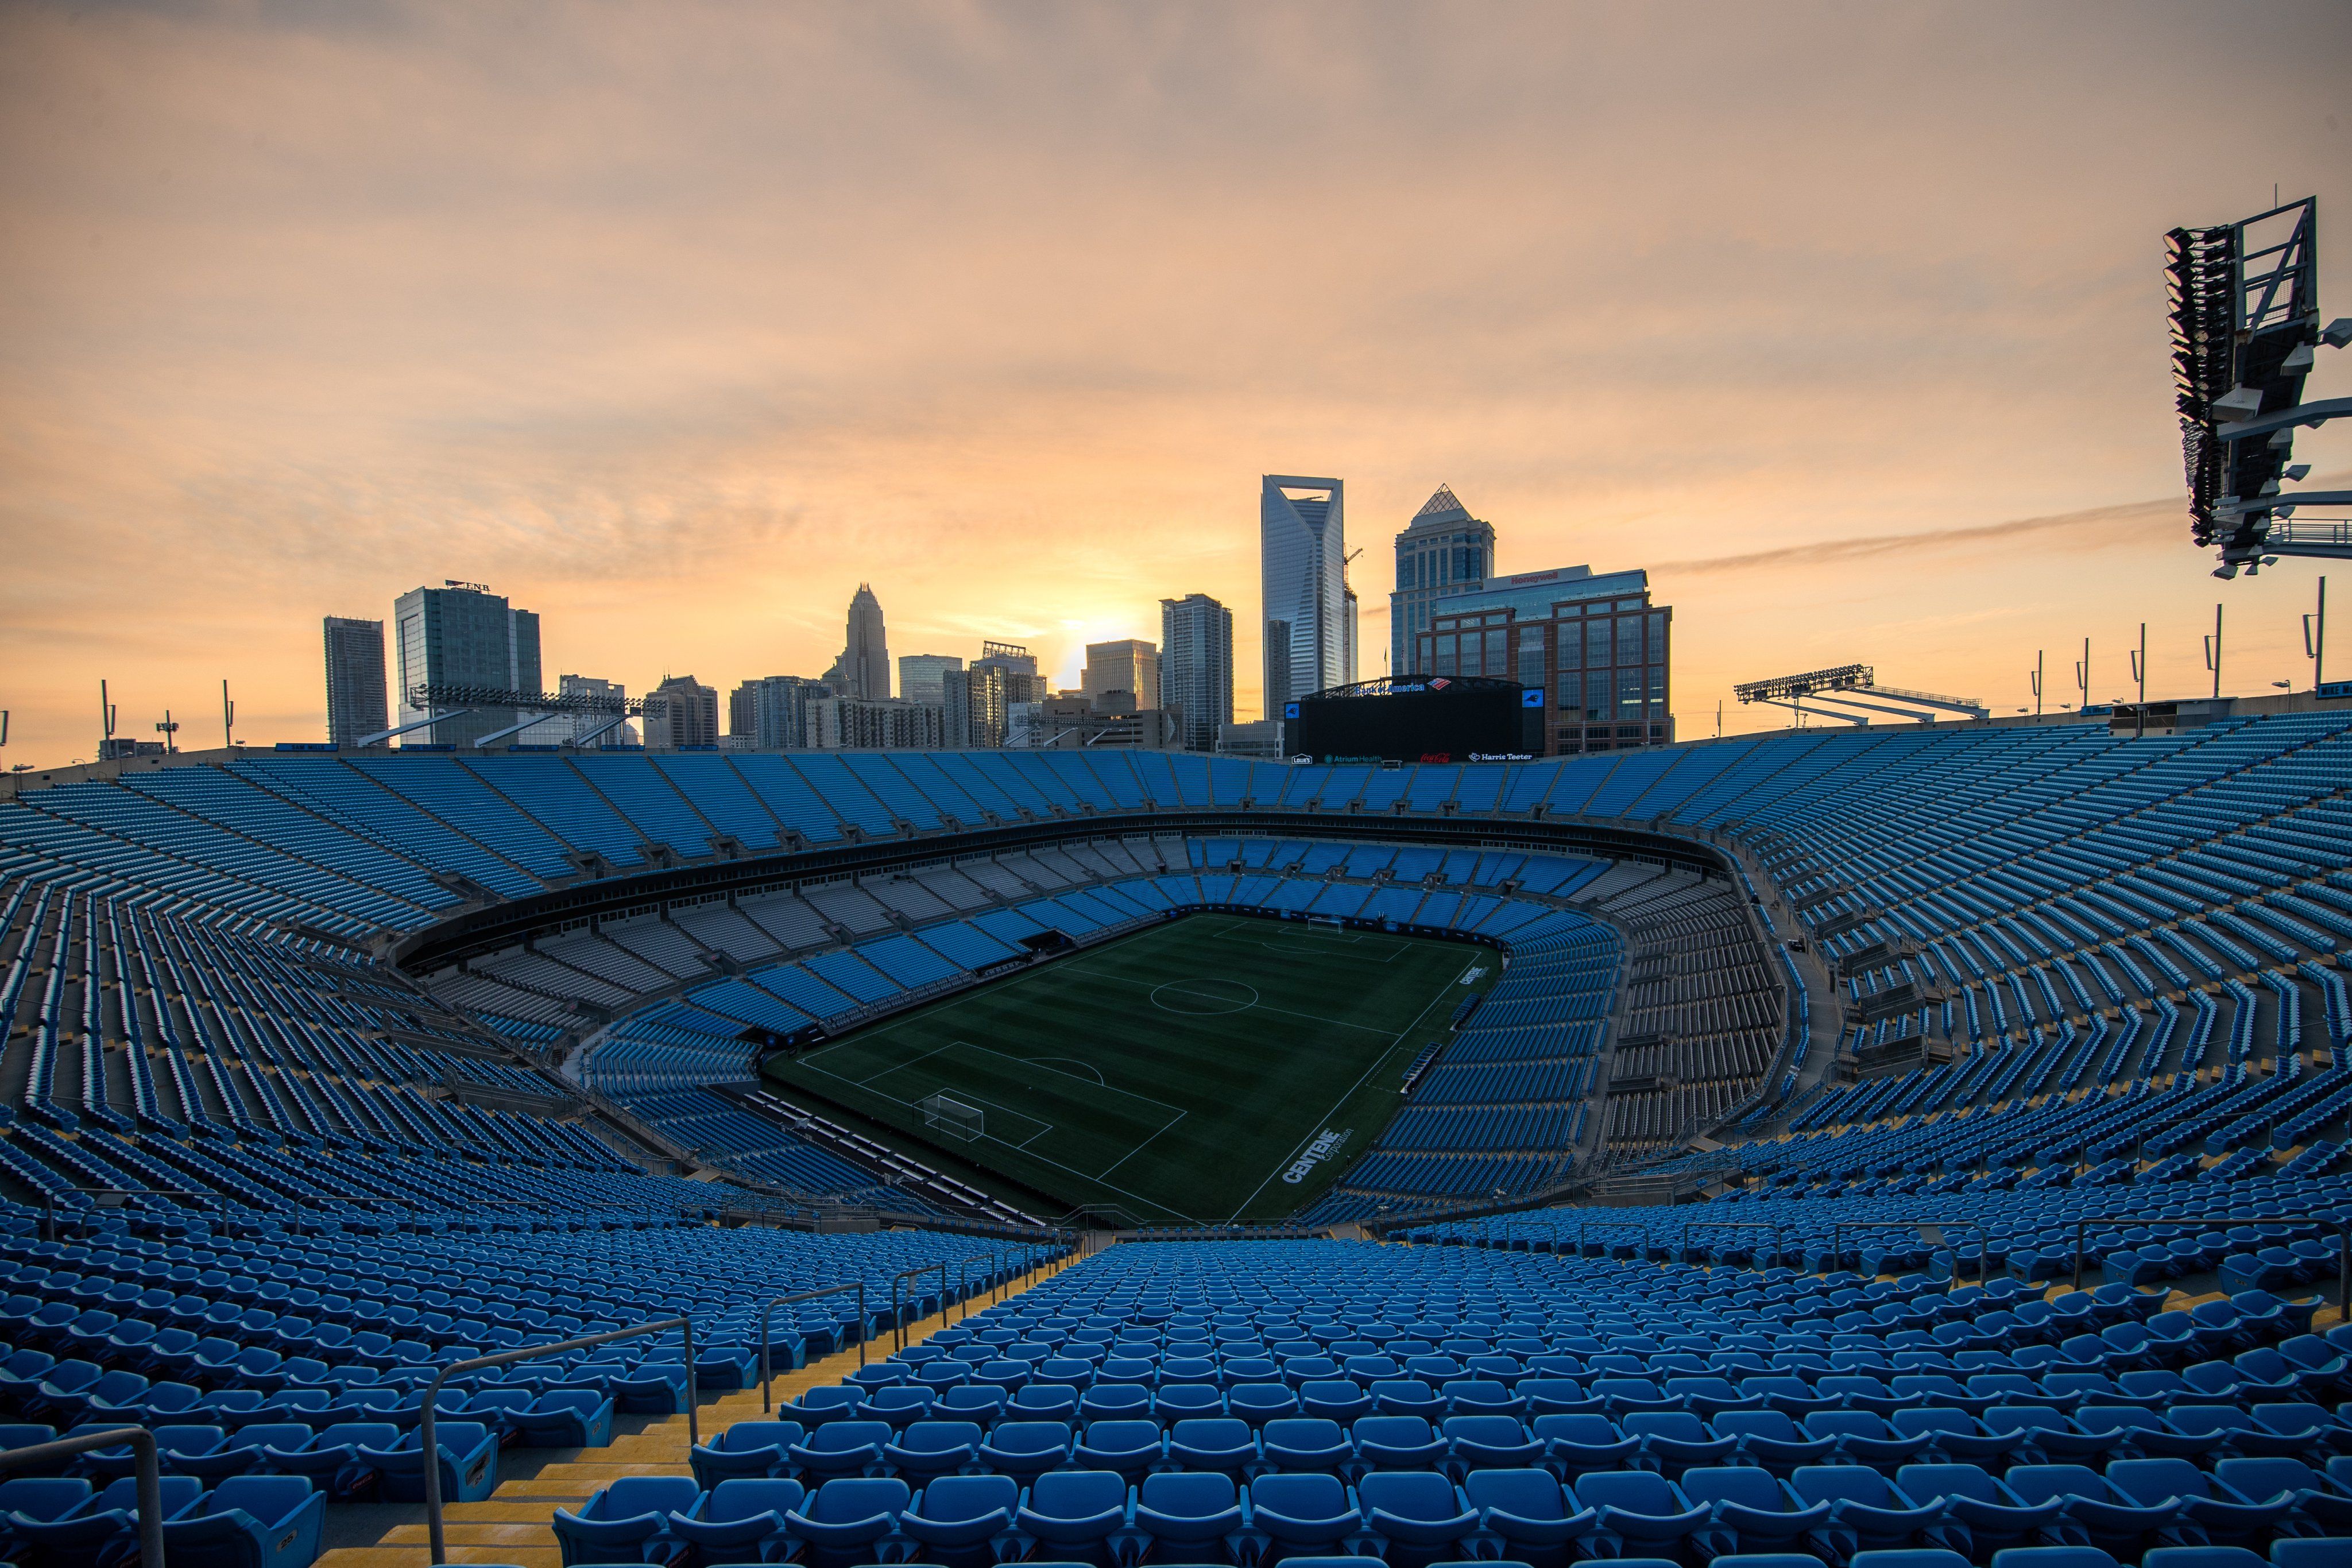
x: 952, y: 1117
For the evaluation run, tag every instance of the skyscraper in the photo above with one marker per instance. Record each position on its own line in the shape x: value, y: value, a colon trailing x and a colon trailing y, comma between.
x: 355, y: 696
x: 690, y: 715
x: 865, y: 665
x: 873, y: 724
x: 918, y: 675
x: 1596, y: 648
x: 772, y: 712
x: 522, y: 650
x: 978, y: 702
x: 1442, y: 550
x: 1131, y: 667
x: 1196, y: 668
x: 462, y: 634
x: 1302, y: 547
x: 1008, y: 656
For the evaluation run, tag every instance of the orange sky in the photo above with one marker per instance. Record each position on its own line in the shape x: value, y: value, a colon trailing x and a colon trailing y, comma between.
x: 674, y: 322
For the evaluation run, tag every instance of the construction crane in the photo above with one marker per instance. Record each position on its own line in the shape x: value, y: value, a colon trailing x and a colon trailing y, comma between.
x: 1347, y: 597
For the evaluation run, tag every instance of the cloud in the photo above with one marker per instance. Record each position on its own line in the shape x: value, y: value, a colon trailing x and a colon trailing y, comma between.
x: 678, y: 321
x: 2097, y: 528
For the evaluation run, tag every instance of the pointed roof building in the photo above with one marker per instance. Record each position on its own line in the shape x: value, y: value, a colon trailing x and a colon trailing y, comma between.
x: 1443, y: 550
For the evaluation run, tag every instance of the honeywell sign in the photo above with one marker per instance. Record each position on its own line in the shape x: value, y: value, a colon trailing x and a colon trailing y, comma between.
x: 1327, y: 1144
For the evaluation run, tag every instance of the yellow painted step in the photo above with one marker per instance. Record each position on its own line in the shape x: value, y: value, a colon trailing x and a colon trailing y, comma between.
x: 503, y: 1511
x: 459, y: 1532
x: 421, y: 1556
x: 582, y: 1478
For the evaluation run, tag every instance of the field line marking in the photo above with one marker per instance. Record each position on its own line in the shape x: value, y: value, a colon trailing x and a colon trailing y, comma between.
x: 1343, y: 1099
x: 1441, y: 996
x: 953, y: 1091
x: 1316, y: 1125
x: 1139, y: 1148
x: 894, y: 1067
x: 1037, y: 1062
x: 1146, y: 1202
x: 1258, y: 1007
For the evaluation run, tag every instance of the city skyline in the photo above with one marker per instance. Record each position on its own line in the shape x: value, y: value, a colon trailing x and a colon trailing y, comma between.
x: 1793, y: 332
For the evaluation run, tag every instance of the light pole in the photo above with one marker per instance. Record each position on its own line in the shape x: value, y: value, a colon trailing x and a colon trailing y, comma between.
x: 229, y: 716
x: 2140, y: 674
x: 2037, y: 683
x: 2213, y: 652
x: 2083, y: 672
x: 2315, y: 641
x: 105, y: 722
x: 169, y: 729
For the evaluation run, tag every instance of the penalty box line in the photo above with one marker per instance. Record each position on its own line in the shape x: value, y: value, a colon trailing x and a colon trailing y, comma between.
x: 938, y: 1085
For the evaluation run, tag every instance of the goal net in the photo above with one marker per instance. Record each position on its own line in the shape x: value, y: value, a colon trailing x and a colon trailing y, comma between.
x: 951, y: 1117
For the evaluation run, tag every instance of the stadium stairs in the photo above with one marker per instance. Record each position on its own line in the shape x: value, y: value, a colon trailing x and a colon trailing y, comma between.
x: 513, y: 1524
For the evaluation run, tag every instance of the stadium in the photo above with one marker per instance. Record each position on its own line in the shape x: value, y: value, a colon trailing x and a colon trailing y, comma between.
x: 1911, y: 1141
x: 1469, y: 1126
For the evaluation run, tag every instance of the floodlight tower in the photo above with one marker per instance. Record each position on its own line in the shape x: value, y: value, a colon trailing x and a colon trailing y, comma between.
x: 2245, y: 334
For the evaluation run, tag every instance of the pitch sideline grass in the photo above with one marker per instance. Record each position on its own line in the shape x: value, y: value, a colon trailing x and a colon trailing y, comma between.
x: 1172, y: 1076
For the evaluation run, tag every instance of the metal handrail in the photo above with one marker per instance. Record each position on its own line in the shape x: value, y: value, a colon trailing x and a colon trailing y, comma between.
x: 430, y: 1447
x: 1028, y: 1254
x: 898, y: 1317
x: 1779, y: 1251
x: 899, y: 1312
x: 150, y: 1485
x: 767, y: 1397
x: 1984, y: 1242
x: 963, y: 1276
x: 1584, y: 1225
x: 2343, y: 1238
x: 50, y: 1211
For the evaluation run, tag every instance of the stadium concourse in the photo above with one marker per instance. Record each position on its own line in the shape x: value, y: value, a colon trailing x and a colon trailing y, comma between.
x: 325, y: 1072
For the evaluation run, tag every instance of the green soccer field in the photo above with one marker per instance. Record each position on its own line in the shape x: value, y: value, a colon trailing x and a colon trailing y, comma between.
x: 1175, y: 1076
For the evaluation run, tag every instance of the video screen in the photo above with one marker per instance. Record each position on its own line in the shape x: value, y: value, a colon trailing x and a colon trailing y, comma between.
x: 1443, y: 721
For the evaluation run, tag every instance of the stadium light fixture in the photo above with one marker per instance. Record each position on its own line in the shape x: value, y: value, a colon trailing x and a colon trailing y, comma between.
x: 2245, y: 330
x: 1845, y: 687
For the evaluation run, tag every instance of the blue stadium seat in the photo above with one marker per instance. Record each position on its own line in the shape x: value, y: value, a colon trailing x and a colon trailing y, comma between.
x: 1177, y: 1511
x: 744, y: 1451
x: 1074, y: 1512
x: 840, y: 1523
x: 250, y: 1521
x: 1643, y: 1513
x: 1419, y: 1517
x: 1025, y: 1450
x: 956, y: 1518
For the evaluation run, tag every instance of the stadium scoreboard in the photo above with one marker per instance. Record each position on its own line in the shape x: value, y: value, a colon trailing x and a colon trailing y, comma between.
x: 1431, y: 719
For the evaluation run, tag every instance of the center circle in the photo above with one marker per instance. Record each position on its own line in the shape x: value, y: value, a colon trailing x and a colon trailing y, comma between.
x: 1199, y: 998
